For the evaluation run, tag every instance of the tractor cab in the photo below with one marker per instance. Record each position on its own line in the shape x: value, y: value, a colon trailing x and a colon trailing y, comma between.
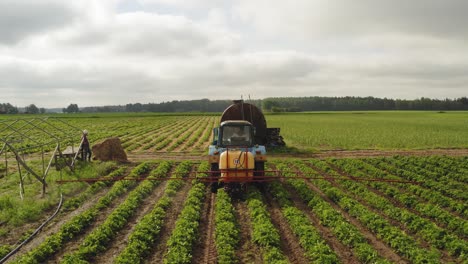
x: 234, y: 134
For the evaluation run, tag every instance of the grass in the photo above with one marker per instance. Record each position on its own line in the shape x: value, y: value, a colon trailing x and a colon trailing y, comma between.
x: 15, y: 211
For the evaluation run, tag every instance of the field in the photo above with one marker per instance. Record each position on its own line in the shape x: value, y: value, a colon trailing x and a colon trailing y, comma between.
x: 331, y: 216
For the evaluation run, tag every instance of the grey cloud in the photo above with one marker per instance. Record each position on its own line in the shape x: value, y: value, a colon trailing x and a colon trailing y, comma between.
x: 24, y: 82
x: 344, y: 19
x: 145, y: 34
x: 20, y: 19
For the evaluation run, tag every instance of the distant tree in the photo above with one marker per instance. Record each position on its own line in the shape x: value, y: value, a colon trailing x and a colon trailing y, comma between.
x: 8, y: 109
x: 31, y: 109
x: 72, y: 108
x: 42, y: 110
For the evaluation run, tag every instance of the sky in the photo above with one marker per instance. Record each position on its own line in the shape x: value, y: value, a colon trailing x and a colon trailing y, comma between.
x: 110, y: 52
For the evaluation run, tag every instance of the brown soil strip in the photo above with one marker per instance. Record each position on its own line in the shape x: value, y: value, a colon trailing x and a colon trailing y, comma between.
x: 383, y: 250
x: 344, y: 253
x: 159, y: 250
x: 205, y: 248
x: 55, y: 225
x: 247, y: 252
x: 120, y: 241
x: 289, y: 243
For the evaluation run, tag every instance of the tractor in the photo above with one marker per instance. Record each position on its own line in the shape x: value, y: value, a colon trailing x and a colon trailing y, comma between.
x: 237, y: 154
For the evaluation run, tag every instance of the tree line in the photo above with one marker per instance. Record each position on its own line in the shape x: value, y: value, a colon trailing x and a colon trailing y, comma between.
x: 273, y: 104
x: 350, y: 103
x: 7, y: 108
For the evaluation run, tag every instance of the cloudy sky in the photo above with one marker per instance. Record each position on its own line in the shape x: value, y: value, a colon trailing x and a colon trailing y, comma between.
x: 56, y: 52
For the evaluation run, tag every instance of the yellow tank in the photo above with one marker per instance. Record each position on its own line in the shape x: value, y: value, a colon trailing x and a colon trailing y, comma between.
x: 236, y: 166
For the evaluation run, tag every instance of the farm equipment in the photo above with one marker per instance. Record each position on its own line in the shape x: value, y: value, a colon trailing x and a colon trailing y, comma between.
x: 237, y: 154
x: 38, y: 137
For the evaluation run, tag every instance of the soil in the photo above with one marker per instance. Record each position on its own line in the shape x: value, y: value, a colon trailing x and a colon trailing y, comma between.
x: 247, y: 251
x: 205, y: 248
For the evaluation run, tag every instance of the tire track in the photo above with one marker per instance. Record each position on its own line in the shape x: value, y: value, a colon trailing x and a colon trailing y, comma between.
x: 247, y: 252
x: 205, y: 248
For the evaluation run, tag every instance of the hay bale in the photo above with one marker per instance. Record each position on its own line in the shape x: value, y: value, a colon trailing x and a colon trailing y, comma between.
x: 109, y: 149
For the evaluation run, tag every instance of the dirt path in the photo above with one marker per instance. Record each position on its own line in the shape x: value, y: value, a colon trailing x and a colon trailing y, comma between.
x: 289, y: 242
x: 247, y: 251
x: 120, y: 241
x: 173, y: 212
x: 205, y: 248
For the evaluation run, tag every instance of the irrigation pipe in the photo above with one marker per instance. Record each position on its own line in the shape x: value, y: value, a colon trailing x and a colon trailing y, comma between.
x: 34, y: 233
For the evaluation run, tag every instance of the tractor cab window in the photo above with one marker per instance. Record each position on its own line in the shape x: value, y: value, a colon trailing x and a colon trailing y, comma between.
x: 237, y: 136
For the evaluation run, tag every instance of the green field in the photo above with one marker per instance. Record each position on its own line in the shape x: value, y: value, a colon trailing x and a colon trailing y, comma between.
x: 328, y: 216
x: 373, y: 130
x: 391, y: 130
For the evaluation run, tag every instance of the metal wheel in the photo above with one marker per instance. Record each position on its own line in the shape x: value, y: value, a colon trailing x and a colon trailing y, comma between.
x: 259, y: 168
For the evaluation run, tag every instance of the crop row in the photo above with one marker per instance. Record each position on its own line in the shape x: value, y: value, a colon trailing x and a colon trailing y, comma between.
x: 226, y: 229
x: 146, y: 232
x: 185, y: 233
x: 430, y: 232
x: 427, y: 179
x: 264, y: 232
x: 442, y: 217
x: 77, y: 224
x: 427, y: 194
x: 137, y: 141
x: 99, y: 238
x: 347, y: 233
x: 199, y: 134
x: 392, y: 235
x: 446, y: 169
x: 316, y: 249
x: 181, y: 138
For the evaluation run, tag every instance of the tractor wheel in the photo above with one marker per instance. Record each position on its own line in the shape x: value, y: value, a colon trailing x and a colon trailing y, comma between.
x: 259, y: 168
x: 259, y: 172
x: 215, y: 173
